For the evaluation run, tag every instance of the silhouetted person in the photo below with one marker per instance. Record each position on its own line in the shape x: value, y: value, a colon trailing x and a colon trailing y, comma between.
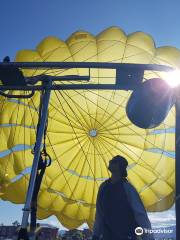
x: 6, y: 59
x: 12, y: 76
x: 119, y: 209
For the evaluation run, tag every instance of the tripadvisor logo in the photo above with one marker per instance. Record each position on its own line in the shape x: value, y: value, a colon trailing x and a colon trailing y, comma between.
x: 139, y: 231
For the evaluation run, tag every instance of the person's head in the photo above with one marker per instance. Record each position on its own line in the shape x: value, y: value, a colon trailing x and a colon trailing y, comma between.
x: 118, y: 166
x: 6, y: 59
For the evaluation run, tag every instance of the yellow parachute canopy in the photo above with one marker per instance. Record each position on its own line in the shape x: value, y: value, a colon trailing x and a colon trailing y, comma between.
x: 86, y: 128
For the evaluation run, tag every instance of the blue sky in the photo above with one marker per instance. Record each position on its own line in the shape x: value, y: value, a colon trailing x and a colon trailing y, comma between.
x: 25, y: 23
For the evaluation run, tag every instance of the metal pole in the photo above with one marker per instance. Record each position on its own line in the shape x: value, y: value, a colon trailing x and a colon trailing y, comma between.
x: 177, y: 164
x: 65, y: 65
x: 27, y: 207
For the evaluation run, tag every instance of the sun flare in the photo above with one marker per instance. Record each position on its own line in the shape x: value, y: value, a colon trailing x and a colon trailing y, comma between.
x: 172, y: 78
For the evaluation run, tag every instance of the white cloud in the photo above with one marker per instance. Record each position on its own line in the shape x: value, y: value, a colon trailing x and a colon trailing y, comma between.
x: 55, y: 222
x: 163, y: 218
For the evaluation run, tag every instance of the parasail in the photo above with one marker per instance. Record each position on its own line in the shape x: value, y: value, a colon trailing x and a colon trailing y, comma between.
x: 86, y: 128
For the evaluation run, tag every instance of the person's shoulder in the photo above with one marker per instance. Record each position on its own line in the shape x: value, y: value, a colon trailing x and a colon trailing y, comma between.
x: 104, y: 184
x: 129, y: 186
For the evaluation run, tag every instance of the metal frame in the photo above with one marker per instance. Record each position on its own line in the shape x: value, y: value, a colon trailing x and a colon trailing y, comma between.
x: 177, y: 163
x: 128, y: 77
x: 40, y: 133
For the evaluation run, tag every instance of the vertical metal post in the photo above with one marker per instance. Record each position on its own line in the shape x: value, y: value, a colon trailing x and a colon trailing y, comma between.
x: 177, y: 164
x: 40, y: 132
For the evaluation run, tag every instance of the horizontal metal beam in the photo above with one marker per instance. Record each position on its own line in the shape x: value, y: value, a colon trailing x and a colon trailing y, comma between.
x: 72, y: 87
x: 105, y: 65
x: 67, y: 78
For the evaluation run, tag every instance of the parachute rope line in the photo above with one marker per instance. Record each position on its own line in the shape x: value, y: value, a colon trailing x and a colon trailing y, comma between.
x: 109, y: 116
x: 110, y: 133
x: 62, y: 170
x: 66, y: 112
x: 18, y: 104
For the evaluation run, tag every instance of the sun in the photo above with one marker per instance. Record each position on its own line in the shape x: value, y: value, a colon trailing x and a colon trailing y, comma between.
x: 172, y: 78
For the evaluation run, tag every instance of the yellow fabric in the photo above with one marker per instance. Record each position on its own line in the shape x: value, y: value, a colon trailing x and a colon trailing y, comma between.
x: 80, y: 160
